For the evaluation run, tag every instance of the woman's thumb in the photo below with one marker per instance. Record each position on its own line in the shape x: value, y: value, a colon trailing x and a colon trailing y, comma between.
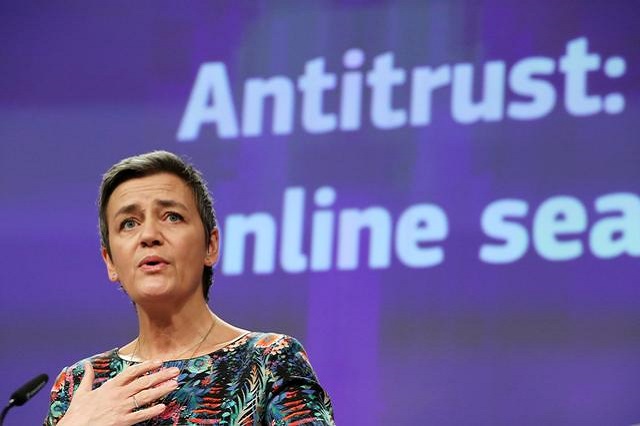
x: 86, y: 384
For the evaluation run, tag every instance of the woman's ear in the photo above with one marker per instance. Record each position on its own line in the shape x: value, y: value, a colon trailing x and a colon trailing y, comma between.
x: 111, y: 269
x: 211, y: 257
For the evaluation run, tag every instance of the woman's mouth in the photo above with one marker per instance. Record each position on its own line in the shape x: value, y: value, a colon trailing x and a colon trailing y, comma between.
x: 152, y: 264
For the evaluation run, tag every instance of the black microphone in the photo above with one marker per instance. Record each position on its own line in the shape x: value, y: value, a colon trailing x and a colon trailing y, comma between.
x: 25, y: 393
x: 29, y: 389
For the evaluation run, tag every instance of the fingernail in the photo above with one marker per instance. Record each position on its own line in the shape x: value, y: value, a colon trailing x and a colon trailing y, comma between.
x: 174, y: 370
x: 171, y: 383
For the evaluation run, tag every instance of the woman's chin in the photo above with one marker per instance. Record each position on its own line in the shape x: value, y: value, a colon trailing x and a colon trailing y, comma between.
x: 154, y: 289
x: 158, y: 289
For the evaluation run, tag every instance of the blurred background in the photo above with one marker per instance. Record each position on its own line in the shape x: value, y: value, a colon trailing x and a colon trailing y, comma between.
x: 439, y: 199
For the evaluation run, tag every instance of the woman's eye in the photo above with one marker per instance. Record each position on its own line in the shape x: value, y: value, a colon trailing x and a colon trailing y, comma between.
x: 127, y: 224
x: 174, y: 217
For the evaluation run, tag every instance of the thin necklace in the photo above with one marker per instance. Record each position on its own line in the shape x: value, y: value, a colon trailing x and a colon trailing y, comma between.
x: 177, y: 356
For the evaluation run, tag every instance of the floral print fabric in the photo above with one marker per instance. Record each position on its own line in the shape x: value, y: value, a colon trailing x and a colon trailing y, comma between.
x: 259, y: 379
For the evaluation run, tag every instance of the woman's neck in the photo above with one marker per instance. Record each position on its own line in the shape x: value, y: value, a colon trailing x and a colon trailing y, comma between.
x: 178, y: 332
x: 173, y: 333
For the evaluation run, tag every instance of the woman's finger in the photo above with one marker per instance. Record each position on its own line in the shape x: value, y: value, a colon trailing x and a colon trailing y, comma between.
x: 145, y: 414
x: 150, y: 380
x: 135, y: 371
x: 147, y: 396
x: 86, y: 384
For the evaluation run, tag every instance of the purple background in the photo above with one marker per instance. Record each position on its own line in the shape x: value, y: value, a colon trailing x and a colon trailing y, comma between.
x: 533, y: 342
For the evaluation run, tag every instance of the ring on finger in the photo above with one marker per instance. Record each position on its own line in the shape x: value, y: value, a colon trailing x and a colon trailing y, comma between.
x: 135, y: 402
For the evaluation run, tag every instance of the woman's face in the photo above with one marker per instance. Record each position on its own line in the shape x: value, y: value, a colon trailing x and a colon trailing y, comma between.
x: 156, y: 238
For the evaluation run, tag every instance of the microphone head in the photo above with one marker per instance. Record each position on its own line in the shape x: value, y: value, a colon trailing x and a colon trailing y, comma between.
x: 29, y: 389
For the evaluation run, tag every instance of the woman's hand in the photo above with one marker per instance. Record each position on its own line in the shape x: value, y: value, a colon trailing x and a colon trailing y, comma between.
x: 116, y: 402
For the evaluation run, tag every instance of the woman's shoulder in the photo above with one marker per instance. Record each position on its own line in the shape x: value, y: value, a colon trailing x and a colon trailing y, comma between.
x: 270, y: 343
x: 100, y: 362
x: 277, y: 351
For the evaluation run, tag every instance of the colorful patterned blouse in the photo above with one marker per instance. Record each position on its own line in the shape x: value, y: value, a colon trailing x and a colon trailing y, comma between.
x: 258, y: 379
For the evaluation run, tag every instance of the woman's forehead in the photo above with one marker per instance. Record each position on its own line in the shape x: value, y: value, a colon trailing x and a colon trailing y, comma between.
x: 160, y: 188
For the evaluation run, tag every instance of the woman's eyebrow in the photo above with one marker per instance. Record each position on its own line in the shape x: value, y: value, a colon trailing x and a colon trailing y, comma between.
x: 170, y: 203
x: 128, y: 209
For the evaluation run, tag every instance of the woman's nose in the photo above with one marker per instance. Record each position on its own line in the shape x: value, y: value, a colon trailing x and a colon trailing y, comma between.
x: 151, y: 234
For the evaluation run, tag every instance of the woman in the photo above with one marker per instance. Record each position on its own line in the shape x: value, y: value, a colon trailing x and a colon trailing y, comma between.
x: 187, y: 366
